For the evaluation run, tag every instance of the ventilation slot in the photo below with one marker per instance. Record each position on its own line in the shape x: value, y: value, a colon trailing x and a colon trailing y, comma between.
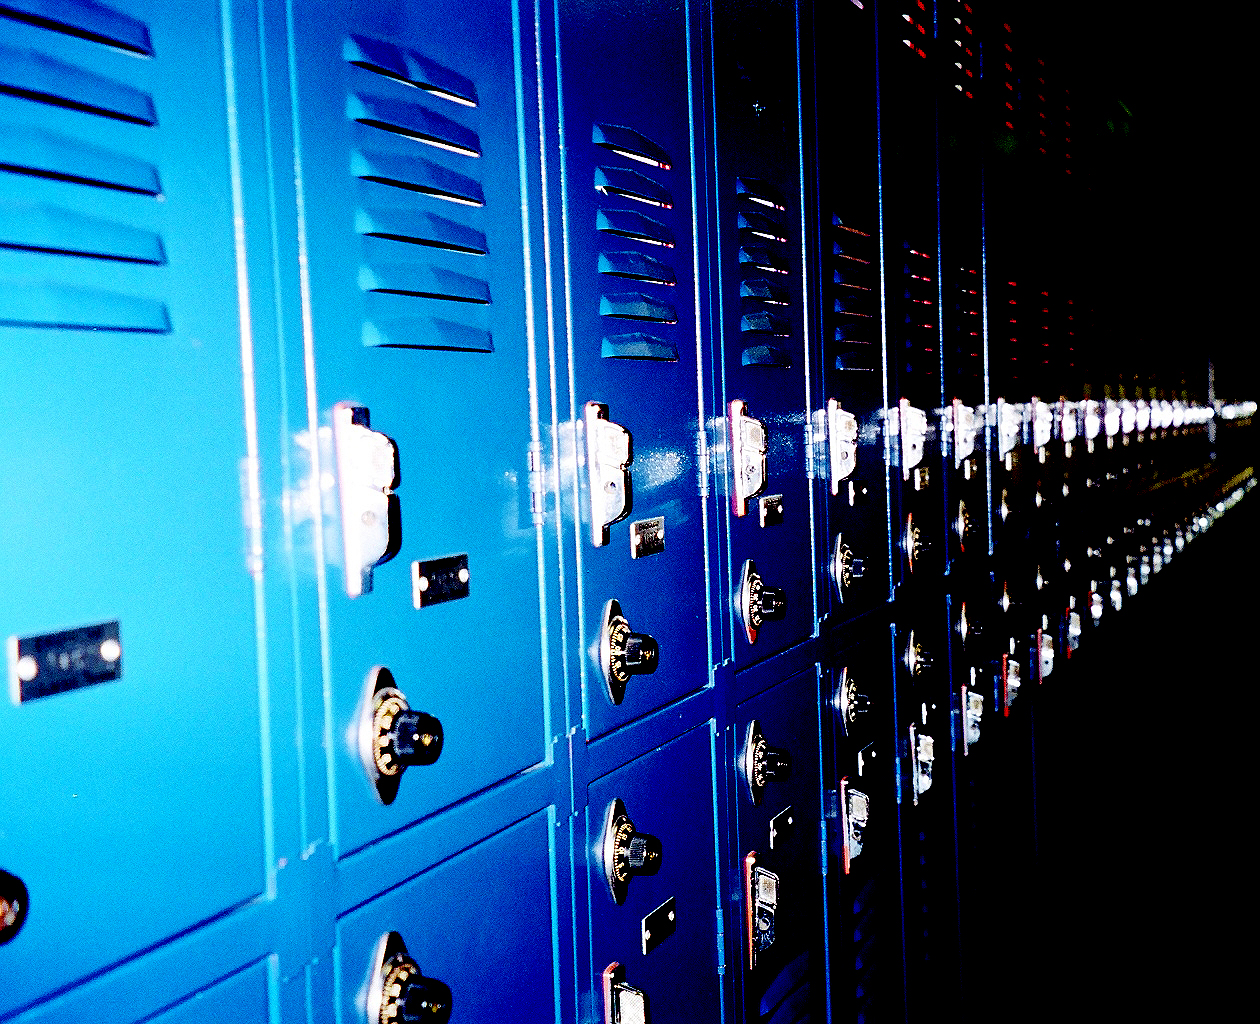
x: 84, y: 19
x: 853, y: 321
x: 637, y: 306
x: 630, y: 144
x: 760, y: 192
x: 416, y: 175
x: 763, y: 238
x: 758, y: 226
x: 761, y: 289
x: 419, y: 229
x: 627, y: 184
x: 628, y: 224
x: 424, y: 283
x: 425, y: 332
x: 413, y: 122
x: 33, y: 76
x: 637, y: 266
x: 41, y: 304
x: 639, y: 346
x: 36, y: 228
x: 44, y: 155
x: 760, y: 257
x: 410, y: 68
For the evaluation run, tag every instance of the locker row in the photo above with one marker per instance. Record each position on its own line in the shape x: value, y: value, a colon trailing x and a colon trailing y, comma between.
x: 524, y: 521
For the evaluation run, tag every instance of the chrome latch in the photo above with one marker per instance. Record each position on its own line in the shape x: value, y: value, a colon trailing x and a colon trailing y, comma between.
x: 842, y: 437
x: 748, y: 455
x: 761, y: 899
x: 1010, y: 425
x: 1042, y: 424
x: 909, y: 425
x: 367, y: 473
x: 1010, y: 682
x: 973, y: 712
x: 922, y: 759
x: 963, y: 426
x: 755, y: 602
x: 1111, y: 418
x: 609, y: 452
x: 622, y: 652
x: 623, y: 1003
x: 855, y: 812
x: 1092, y: 420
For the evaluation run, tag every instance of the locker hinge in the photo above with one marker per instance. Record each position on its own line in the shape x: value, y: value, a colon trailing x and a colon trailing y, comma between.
x: 702, y: 462
x: 537, y: 483
x: 721, y: 944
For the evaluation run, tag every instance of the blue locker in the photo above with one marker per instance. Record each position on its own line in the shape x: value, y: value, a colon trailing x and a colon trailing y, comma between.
x: 418, y: 174
x: 658, y: 920
x: 763, y: 343
x: 634, y: 353
x: 134, y: 778
x: 477, y: 926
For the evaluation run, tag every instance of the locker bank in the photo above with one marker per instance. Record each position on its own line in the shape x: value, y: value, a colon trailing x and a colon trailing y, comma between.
x: 554, y: 512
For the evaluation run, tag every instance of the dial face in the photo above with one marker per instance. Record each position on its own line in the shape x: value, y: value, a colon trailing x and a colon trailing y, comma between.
x: 388, y: 705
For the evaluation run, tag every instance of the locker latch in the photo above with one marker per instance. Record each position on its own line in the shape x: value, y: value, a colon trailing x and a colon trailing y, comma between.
x: 1142, y: 416
x: 390, y: 736
x: 626, y: 852
x: 367, y: 473
x: 1128, y: 417
x: 622, y: 652
x: 623, y: 1004
x: 846, y: 568
x: 1010, y: 682
x: 1111, y: 418
x: 909, y: 425
x: 972, y: 712
x: 921, y: 768
x: 761, y: 763
x: 1042, y: 424
x: 963, y: 427
x: 756, y: 602
x: 1010, y: 425
x: 850, y: 703
x: 1068, y: 426
x: 842, y: 438
x: 1092, y: 421
x: 398, y: 993
x: 748, y: 456
x: 1045, y: 653
x: 761, y: 902
x: 855, y: 810
x: 609, y: 452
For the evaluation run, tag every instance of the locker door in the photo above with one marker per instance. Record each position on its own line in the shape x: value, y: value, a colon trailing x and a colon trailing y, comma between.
x: 775, y: 782
x: 633, y: 346
x: 663, y: 931
x: 132, y: 767
x: 414, y: 184
x: 763, y: 344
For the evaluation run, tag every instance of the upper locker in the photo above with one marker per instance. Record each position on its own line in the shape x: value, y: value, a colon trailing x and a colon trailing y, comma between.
x: 763, y: 347
x: 416, y: 176
x: 128, y: 608
x: 634, y: 369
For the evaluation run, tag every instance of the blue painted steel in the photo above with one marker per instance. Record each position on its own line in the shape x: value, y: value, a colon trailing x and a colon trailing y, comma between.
x: 626, y: 113
x: 667, y: 793
x: 416, y: 164
x: 135, y: 809
x: 480, y: 922
x: 244, y: 997
x: 784, y: 830
x: 764, y: 351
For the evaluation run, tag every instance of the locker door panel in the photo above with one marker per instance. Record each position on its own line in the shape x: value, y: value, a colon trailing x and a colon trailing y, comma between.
x: 631, y: 292
x: 763, y: 340
x: 781, y: 829
x: 412, y: 194
x: 667, y: 793
x: 479, y: 923
x: 132, y: 773
x: 243, y: 997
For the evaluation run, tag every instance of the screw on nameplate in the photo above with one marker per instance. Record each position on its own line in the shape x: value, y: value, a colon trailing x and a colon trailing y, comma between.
x: 439, y: 580
x: 52, y: 663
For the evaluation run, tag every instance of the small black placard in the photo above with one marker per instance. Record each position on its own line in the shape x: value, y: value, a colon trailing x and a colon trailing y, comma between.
x: 40, y: 666
x: 659, y: 925
x: 442, y: 579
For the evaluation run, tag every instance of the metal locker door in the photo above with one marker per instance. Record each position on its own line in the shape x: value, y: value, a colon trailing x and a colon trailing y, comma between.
x: 775, y: 785
x: 473, y: 933
x: 763, y: 343
x: 654, y: 914
x: 633, y: 346
x: 132, y: 771
x: 416, y: 179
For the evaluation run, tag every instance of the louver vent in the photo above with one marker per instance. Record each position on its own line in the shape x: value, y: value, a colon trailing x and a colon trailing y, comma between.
x: 38, y: 222
x: 968, y: 334
x: 764, y: 263
x: 623, y: 184
x: 921, y: 297
x: 418, y: 158
x: 854, y: 298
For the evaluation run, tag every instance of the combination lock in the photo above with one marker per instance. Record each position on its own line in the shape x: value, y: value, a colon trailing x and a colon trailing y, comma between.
x: 915, y: 542
x: 398, y: 993
x: 623, y: 653
x: 626, y: 852
x: 756, y: 602
x: 851, y: 705
x: 391, y: 736
x: 846, y: 568
x: 762, y: 763
x: 918, y: 658
x: 13, y: 905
